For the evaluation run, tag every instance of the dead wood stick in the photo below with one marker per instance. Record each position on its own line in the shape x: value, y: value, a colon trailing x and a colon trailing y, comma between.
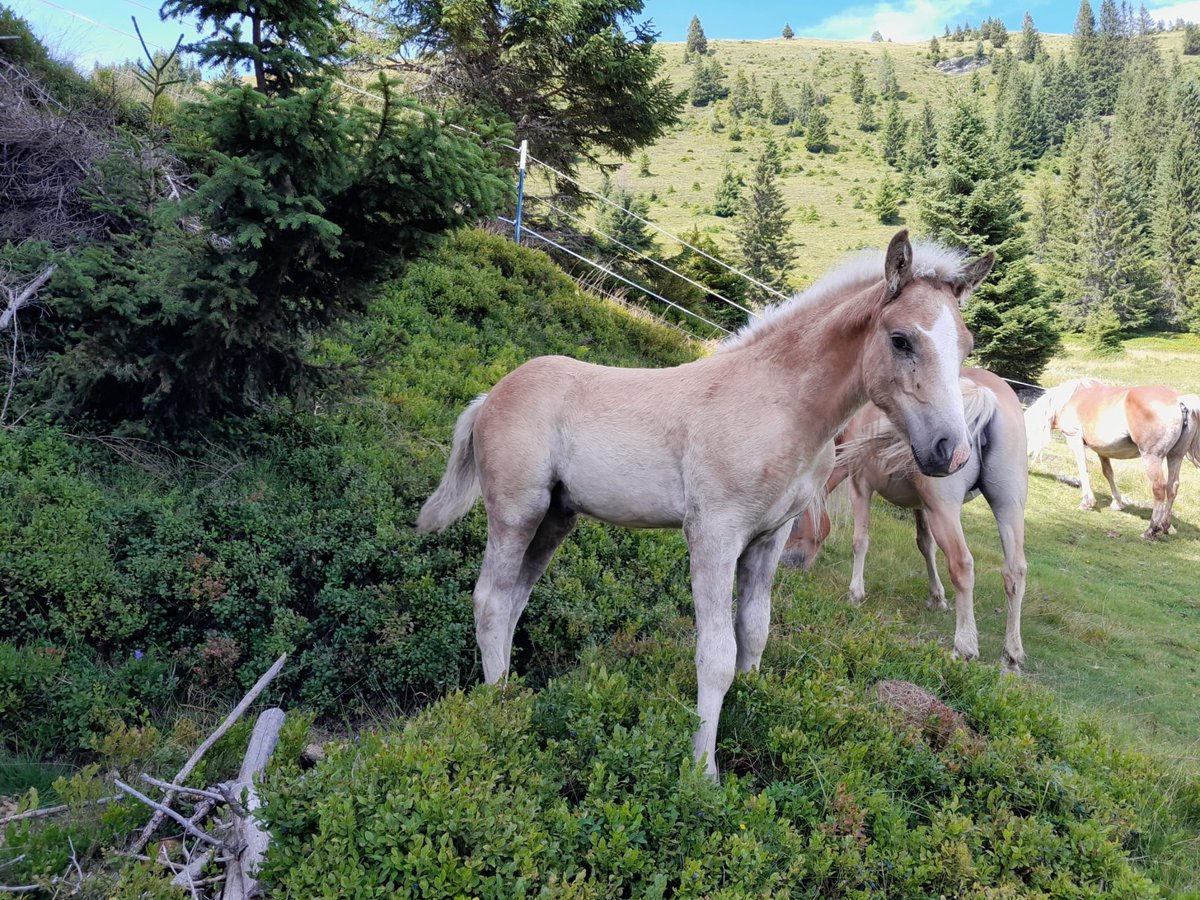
x: 54, y: 810
x: 188, y: 875
x: 184, y: 772
x: 166, y: 811
x: 250, y: 839
x: 180, y: 789
x: 27, y: 293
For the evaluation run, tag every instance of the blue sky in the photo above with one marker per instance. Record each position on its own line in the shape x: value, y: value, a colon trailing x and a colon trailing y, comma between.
x: 98, y: 37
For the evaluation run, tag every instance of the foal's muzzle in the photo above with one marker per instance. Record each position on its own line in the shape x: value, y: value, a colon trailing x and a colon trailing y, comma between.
x: 945, y: 457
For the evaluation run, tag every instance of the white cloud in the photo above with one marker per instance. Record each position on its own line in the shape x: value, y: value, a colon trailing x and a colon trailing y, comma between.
x: 909, y: 20
x: 1189, y: 12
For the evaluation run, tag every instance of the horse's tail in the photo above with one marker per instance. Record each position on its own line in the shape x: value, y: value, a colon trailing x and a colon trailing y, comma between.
x: 1039, y: 418
x: 459, y: 489
x: 1191, y: 402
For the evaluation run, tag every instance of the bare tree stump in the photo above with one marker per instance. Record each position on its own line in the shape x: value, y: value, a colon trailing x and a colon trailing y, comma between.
x: 249, y: 839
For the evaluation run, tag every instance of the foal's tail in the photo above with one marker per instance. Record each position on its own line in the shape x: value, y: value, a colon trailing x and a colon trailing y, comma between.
x: 1191, y: 402
x: 459, y: 489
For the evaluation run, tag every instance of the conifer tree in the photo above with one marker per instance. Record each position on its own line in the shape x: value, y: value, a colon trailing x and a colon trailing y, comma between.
x: 921, y: 154
x: 697, y: 43
x: 1110, y: 57
x: 1176, y: 215
x: 729, y: 189
x: 777, y: 108
x: 971, y: 201
x: 866, y: 114
x: 887, y: 201
x: 935, y: 49
x: 858, y: 82
x: 1030, y: 46
x: 740, y: 97
x: 1100, y: 252
x: 806, y: 102
x: 895, y: 133
x: 816, y: 137
x: 1191, y: 39
x: 788, y: 34
x: 1022, y: 123
x: 613, y: 222
x: 708, y: 83
x: 889, y: 84
x: 767, y: 251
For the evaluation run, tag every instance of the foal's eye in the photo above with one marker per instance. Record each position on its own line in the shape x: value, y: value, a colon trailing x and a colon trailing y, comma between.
x: 900, y: 342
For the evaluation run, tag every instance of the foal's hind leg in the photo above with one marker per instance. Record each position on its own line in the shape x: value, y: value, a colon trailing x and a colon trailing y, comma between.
x: 498, y: 592
x: 1160, y: 518
x: 1174, y: 464
x: 937, y: 593
x: 947, y: 531
x: 1107, y: 469
x: 755, y: 578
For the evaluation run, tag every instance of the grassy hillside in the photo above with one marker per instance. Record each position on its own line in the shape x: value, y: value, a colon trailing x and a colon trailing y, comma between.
x: 829, y: 194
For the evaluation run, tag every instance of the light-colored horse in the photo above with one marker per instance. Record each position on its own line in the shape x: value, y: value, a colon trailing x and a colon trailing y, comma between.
x: 872, y: 458
x: 1156, y: 423
x: 728, y: 447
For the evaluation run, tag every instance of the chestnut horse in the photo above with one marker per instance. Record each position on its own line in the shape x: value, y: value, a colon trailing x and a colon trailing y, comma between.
x: 1155, y: 423
x: 728, y: 447
x: 871, y: 459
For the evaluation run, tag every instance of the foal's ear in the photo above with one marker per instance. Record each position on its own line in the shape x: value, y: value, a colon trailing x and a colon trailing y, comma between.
x: 972, y: 275
x: 897, y: 265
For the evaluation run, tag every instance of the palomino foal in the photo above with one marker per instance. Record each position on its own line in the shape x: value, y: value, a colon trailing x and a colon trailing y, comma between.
x: 729, y: 447
x: 871, y: 458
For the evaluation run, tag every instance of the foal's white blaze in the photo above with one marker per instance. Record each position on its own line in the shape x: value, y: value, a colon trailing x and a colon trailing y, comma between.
x: 944, y: 337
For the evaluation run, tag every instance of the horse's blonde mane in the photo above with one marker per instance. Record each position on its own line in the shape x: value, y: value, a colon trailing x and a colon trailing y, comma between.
x: 888, y: 450
x: 859, y: 271
x: 1039, y: 418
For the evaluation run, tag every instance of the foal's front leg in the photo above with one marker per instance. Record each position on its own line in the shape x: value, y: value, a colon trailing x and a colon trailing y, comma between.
x: 860, y: 505
x: 947, y: 530
x: 755, y: 578
x: 712, y: 561
x: 937, y: 593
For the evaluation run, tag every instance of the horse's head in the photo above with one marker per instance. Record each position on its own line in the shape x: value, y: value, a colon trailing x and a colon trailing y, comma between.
x: 809, y: 532
x: 913, y: 357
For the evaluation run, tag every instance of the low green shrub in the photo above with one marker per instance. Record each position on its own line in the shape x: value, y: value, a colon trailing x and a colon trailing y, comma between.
x: 587, y: 788
x: 129, y: 572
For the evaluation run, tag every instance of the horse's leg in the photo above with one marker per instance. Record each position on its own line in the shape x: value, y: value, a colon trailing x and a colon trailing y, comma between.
x: 1075, y: 442
x: 860, y: 505
x: 1107, y: 469
x: 1160, y: 516
x: 947, y: 531
x: 937, y: 593
x: 500, y: 592
x: 755, y: 578
x: 1010, y: 522
x: 713, y: 563
x: 1174, y: 464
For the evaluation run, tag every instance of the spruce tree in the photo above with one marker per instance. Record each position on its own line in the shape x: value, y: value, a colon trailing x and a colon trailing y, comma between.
x: 740, y: 97
x: 777, y: 108
x: 1030, y: 46
x: 1109, y: 61
x: 816, y: 137
x: 697, y: 43
x: 1100, y: 250
x: 858, y: 82
x: 887, y: 201
x: 971, y: 201
x: 788, y: 34
x: 729, y: 189
x: 921, y: 154
x: 935, y: 49
x: 866, y: 114
x: 1022, y: 124
x: 1191, y: 39
x: 766, y: 250
x: 889, y: 84
x: 806, y: 102
x: 895, y: 133
x: 708, y: 83
x: 613, y: 222
x: 1176, y: 214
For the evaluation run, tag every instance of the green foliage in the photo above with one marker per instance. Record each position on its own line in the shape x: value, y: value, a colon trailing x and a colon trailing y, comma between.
x: 719, y: 279
x: 1030, y: 46
x: 175, y: 328
x: 816, y: 135
x: 743, y: 96
x: 777, y: 109
x: 889, y: 83
x: 866, y: 114
x: 587, y: 788
x: 708, y: 82
x: 296, y: 535
x: 729, y: 189
x: 1176, y: 206
x: 921, y: 153
x: 895, y: 134
x: 697, y: 43
x: 766, y: 249
x: 21, y: 48
x: 1191, y: 39
x: 858, y: 82
x: 970, y: 201
x: 579, y: 79
x: 788, y: 34
x: 1104, y: 330
x: 887, y: 201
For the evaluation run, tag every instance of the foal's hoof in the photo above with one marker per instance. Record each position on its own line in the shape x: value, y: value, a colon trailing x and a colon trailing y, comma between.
x: 1087, y: 504
x: 1153, y: 532
x: 937, y: 601
x: 1009, y: 665
x: 1116, y: 506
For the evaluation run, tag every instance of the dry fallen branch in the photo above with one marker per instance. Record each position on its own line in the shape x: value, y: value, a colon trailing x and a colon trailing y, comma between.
x: 195, y: 758
x: 54, y: 810
x: 169, y: 813
x: 250, y: 838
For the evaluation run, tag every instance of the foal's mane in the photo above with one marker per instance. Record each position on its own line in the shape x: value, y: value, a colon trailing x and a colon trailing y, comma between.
x: 849, y: 278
